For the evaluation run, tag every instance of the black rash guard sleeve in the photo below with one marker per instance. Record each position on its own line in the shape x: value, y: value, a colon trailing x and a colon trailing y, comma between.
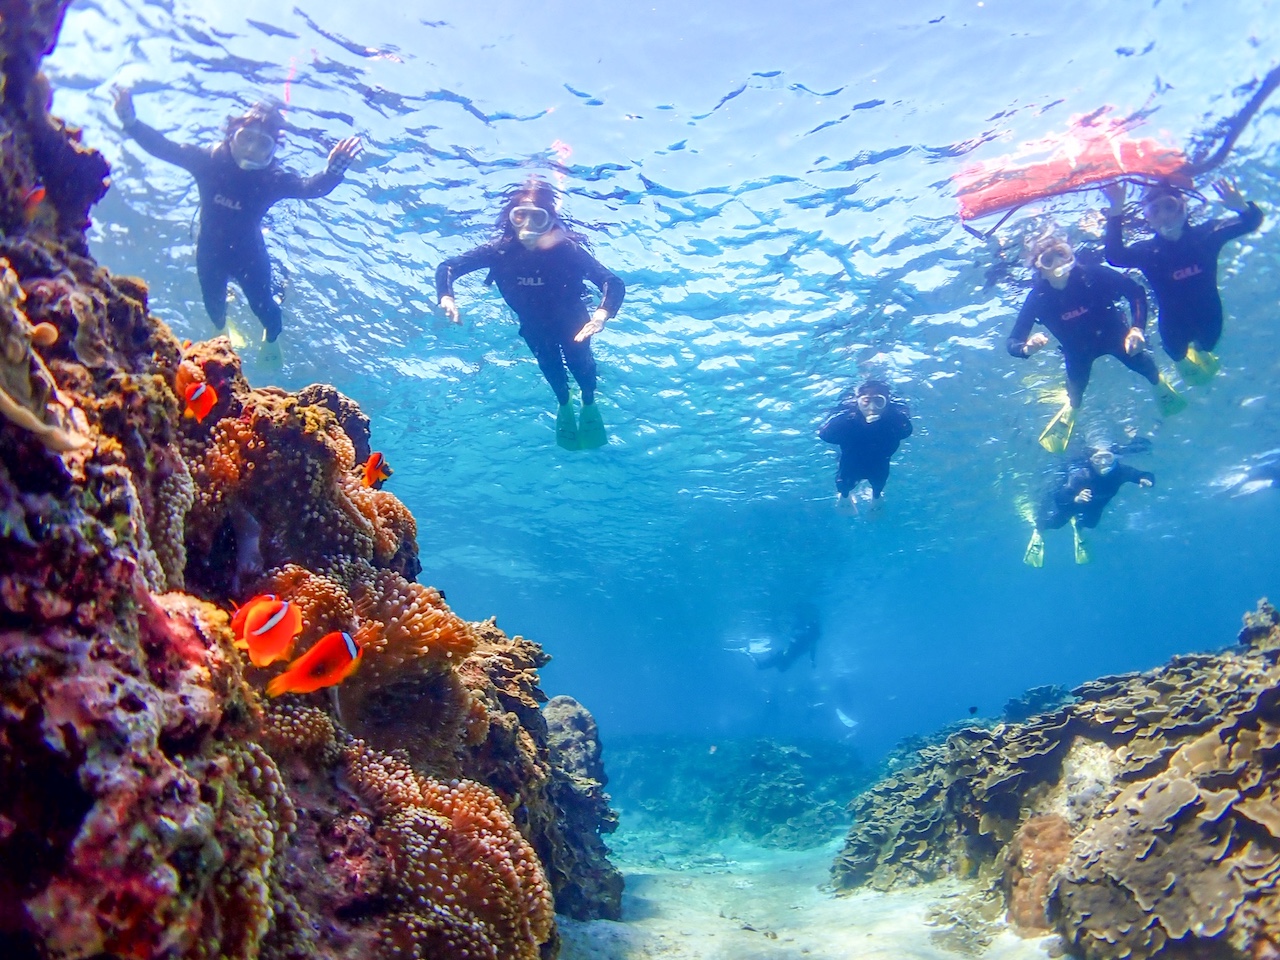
x: 612, y: 289
x: 1117, y: 254
x: 290, y: 186
x: 1227, y: 230
x: 1017, y: 342
x: 478, y: 258
x: 1134, y: 475
x: 195, y: 160
x: 1118, y: 285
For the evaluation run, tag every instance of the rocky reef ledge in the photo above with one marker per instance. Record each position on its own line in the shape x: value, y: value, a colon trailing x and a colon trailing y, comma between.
x: 153, y: 802
x: 1141, y: 819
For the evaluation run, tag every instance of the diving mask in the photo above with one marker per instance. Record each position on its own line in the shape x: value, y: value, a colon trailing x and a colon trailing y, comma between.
x: 1057, y: 261
x: 872, y: 405
x: 252, y: 148
x: 529, y: 220
x: 1165, y: 211
x: 1104, y: 461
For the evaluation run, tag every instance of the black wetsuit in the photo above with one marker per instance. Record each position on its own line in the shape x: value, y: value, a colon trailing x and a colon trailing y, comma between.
x: 545, y: 289
x: 1183, y: 274
x: 1084, y: 318
x: 232, y: 205
x: 865, y: 448
x: 1060, y: 505
x: 804, y: 640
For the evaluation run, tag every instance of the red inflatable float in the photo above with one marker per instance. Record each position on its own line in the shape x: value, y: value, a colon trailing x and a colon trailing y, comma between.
x: 1094, y: 150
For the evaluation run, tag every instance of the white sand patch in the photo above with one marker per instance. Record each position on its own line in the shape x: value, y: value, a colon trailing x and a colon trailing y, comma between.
x: 734, y: 901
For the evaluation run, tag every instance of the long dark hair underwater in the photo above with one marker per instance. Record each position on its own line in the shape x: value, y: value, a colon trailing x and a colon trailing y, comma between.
x: 539, y: 193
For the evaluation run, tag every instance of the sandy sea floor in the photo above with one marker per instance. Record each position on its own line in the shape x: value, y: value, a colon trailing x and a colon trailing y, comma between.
x: 735, y: 901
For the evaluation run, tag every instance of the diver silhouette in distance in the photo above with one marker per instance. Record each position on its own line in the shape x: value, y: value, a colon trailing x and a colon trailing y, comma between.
x: 1077, y: 304
x: 1079, y: 493
x: 539, y: 266
x: 868, y: 427
x: 1181, y: 265
x: 239, y: 179
x: 806, y: 631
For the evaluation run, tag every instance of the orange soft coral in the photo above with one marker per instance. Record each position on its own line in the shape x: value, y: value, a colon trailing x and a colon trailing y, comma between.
x: 459, y: 858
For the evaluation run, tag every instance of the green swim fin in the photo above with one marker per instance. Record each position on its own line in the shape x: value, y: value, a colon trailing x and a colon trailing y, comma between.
x: 238, y: 340
x: 591, y: 432
x: 1198, y: 367
x: 1055, y: 436
x: 1034, y: 557
x: 566, y: 427
x: 1168, y: 399
x: 271, y: 355
x: 1082, y: 551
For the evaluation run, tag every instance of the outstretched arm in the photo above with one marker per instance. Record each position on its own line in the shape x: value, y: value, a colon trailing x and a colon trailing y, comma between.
x: 1249, y: 216
x: 448, y: 271
x: 612, y: 290
x: 190, y: 158
x: 290, y: 186
x: 1021, y: 343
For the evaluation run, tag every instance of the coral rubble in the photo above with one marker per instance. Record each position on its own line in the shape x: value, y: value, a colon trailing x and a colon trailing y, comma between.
x: 153, y: 803
x: 1140, y: 820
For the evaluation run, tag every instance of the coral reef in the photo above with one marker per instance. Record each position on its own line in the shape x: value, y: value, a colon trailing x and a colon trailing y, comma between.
x: 789, y: 796
x: 1139, y: 820
x: 151, y: 805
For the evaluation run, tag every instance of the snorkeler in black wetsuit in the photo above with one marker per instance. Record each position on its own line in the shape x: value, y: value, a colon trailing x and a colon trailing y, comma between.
x: 1181, y: 265
x: 1079, y: 494
x: 239, y: 180
x: 804, y: 640
x: 539, y: 267
x: 1077, y: 304
x: 868, y: 431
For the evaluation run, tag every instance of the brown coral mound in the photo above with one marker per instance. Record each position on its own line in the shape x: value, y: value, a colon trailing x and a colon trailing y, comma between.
x: 459, y: 859
x: 1166, y: 785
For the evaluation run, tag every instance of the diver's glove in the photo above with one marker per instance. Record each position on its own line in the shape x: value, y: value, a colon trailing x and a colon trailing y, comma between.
x: 123, y: 105
x: 343, y: 154
x: 594, y: 325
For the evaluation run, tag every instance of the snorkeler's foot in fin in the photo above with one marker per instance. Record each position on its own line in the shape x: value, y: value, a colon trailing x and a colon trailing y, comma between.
x: 233, y: 333
x: 1168, y: 399
x: 1058, y: 432
x: 1198, y: 367
x: 1082, y: 551
x: 1034, y: 557
x: 591, y: 432
x: 271, y: 355
x: 566, y: 427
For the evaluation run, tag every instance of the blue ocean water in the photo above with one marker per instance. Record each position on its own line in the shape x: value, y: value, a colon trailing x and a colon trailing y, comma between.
x: 772, y: 183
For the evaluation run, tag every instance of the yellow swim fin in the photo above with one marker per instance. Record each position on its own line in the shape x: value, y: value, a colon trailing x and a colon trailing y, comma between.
x: 1198, y: 367
x: 1055, y: 436
x: 236, y: 336
x: 591, y: 431
x: 1168, y: 399
x: 1034, y: 557
x: 1082, y: 552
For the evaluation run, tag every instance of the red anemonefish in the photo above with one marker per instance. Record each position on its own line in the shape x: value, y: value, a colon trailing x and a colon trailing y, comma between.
x: 334, y: 658
x: 200, y: 400
x: 267, y: 626
x: 32, y: 200
x: 376, y: 470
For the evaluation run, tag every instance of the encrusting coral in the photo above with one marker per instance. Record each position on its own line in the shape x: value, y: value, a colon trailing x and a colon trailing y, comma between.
x: 151, y: 804
x: 1139, y: 820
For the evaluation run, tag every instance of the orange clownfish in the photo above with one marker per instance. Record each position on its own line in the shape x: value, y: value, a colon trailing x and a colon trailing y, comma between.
x: 376, y: 470
x: 200, y: 400
x: 32, y: 200
x: 334, y: 658
x: 267, y: 626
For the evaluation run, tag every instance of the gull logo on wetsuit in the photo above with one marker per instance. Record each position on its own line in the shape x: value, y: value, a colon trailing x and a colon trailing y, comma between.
x: 229, y: 202
x: 1077, y: 312
x: 529, y: 281
x: 1185, y: 272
